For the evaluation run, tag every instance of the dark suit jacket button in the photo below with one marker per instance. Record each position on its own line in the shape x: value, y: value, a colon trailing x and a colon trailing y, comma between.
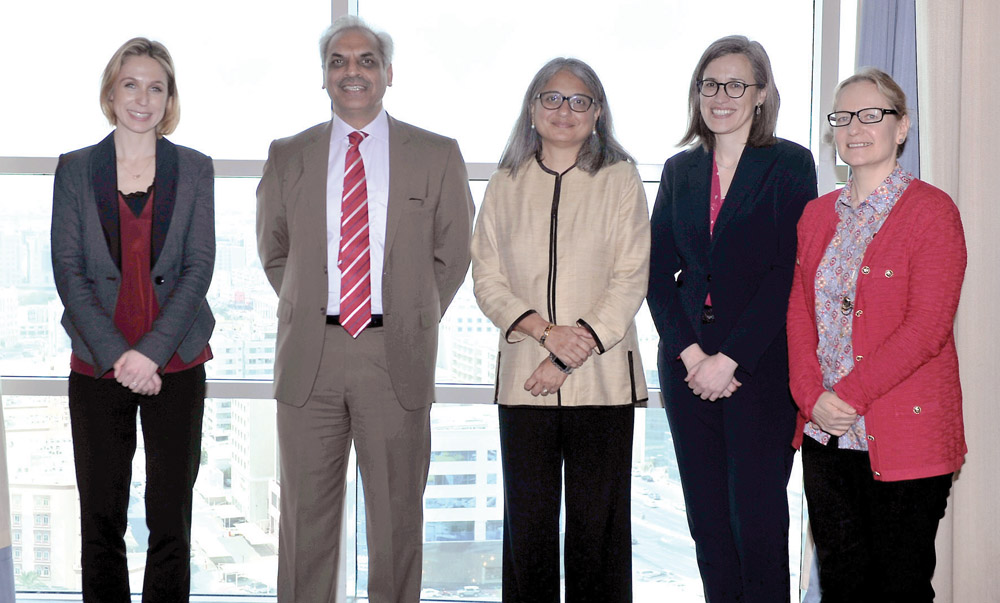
x: 158, y: 280
x: 708, y: 278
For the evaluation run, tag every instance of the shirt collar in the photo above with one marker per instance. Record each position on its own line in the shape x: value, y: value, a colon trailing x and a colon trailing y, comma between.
x: 882, y: 198
x: 377, y: 129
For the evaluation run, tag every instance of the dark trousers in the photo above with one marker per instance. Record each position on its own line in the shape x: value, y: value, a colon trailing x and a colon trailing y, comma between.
x: 102, y: 416
x: 874, y: 540
x: 594, y: 447
x: 735, y: 458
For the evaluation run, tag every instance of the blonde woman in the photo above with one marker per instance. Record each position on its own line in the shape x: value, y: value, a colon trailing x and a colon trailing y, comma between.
x: 133, y: 250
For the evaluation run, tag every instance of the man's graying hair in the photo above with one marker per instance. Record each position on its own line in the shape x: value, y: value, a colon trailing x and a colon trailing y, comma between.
x: 383, y: 41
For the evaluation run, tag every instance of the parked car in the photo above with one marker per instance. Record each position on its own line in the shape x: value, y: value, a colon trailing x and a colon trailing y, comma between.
x: 469, y: 591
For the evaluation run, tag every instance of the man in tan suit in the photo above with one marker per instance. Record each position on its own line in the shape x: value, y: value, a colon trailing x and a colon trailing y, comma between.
x: 357, y: 344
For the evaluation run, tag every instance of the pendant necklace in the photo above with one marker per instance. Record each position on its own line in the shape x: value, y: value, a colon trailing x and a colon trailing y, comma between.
x: 141, y: 172
x: 846, y: 303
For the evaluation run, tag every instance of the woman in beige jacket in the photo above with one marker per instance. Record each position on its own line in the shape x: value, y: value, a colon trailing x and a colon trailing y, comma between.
x: 560, y: 258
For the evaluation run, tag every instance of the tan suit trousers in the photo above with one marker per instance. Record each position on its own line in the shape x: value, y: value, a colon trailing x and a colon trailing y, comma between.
x: 352, y: 400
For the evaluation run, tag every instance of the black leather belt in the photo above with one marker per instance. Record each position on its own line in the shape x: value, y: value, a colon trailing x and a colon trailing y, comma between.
x: 707, y: 315
x: 374, y: 324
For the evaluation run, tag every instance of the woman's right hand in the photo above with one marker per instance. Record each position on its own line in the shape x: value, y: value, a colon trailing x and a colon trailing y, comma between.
x: 572, y: 345
x: 833, y: 415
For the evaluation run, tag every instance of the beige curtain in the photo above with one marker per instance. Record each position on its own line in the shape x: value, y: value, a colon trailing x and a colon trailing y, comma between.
x: 958, y: 62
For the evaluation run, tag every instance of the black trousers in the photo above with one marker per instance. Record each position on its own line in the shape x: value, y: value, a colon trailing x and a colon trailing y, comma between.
x: 735, y: 457
x: 102, y: 416
x: 874, y: 540
x: 594, y: 447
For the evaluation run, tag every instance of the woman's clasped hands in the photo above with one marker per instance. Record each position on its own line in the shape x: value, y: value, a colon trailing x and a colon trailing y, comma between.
x: 137, y: 372
x: 571, y: 345
x: 709, y: 377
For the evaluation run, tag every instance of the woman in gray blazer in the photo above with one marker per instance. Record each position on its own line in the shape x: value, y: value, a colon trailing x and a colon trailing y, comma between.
x: 133, y: 249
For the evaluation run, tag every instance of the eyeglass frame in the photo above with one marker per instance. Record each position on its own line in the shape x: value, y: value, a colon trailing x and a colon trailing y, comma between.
x: 853, y: 114
x: 725, y: 86
x: 565, y: 98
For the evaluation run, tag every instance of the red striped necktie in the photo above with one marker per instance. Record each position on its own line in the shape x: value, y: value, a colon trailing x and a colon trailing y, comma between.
x: 354, y: 260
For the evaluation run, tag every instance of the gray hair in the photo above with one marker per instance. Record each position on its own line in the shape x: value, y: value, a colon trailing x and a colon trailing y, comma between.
x: 599, y: 150
x: 762, y: 128
x: 383, y: 41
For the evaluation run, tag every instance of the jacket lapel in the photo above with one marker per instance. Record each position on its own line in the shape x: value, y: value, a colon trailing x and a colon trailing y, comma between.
x: 699, y: 190
x: 165, y: 194
x: 315, y: 170
x: 399, y: 148
x: 746, y: 183
x: 104, y: 179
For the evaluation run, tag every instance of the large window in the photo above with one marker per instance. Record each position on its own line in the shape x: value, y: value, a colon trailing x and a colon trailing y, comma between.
x: 462, y: 68
x: 249, y: 72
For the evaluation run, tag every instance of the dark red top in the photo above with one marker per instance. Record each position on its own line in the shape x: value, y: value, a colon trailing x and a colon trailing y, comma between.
x: 715, y: 206
x: 137, y: 307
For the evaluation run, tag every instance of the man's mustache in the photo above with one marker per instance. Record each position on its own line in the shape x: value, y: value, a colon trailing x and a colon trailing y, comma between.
x: 353, y: 81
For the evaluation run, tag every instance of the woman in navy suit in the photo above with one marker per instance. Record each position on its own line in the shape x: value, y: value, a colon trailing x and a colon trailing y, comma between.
x: 133, y: 250
x: 723, y: 253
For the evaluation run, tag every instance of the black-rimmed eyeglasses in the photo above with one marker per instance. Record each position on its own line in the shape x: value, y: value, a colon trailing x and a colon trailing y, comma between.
x: 871, y: 115
x: 734, y: 89
x: 552, y: 100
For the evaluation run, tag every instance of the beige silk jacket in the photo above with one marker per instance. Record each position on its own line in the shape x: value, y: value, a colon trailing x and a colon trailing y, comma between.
x: 573, y: 247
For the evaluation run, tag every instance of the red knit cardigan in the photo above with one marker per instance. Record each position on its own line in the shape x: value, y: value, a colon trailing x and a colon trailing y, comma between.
x: 905, y: 378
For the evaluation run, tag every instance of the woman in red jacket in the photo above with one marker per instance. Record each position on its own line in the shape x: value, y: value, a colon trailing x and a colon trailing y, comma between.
x: 872, y: 356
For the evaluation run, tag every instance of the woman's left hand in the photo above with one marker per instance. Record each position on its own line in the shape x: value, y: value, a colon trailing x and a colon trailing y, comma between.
x: 713, y: 377
x: 547, y: 379
x: 137, y: 372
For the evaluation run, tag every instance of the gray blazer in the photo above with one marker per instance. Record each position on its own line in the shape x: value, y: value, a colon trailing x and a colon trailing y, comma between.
x: 428, y: 228
x: 86, y: 253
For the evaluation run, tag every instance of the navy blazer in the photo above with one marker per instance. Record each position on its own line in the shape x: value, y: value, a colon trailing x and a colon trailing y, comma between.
x: 746, y: 263
x: 86, y: 253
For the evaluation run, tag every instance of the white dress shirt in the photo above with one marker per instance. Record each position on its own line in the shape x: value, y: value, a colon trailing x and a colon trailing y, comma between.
x: 375, y: 155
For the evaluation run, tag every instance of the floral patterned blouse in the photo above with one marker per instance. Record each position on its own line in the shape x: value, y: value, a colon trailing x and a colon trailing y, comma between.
x: 836, y: 280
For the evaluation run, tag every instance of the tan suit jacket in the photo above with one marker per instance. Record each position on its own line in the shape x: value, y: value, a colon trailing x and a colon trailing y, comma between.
x: 428, y: 229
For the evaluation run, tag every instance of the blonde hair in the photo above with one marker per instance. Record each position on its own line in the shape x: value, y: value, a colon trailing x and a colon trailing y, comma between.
x: 885, y: 85
x: 142, y: 47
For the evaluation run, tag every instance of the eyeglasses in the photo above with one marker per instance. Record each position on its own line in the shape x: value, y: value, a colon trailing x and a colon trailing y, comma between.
x: 552, y: 100
x: 734, y: 89
x: 871, y: 115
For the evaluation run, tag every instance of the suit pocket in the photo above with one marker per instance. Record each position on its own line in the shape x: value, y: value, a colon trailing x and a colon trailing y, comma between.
x: 418, y: 209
